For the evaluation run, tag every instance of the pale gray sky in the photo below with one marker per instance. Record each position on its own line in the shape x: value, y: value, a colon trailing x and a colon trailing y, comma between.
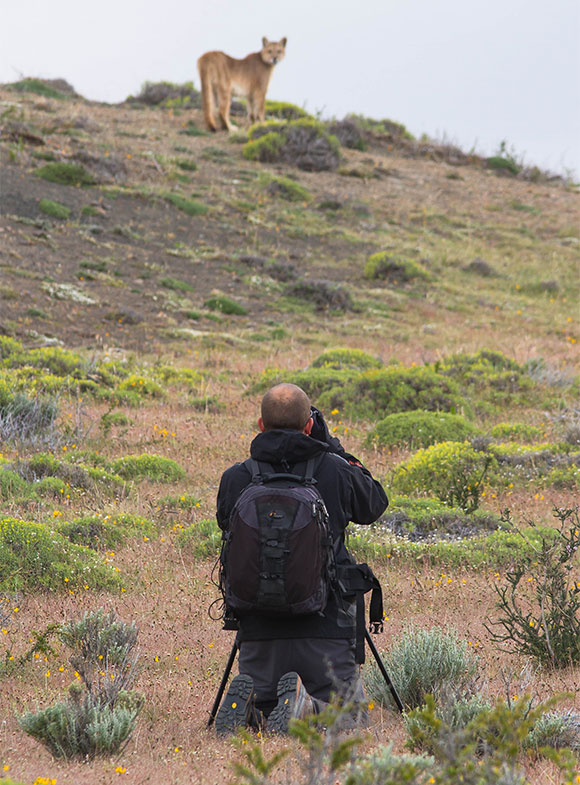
x: 473, y: 71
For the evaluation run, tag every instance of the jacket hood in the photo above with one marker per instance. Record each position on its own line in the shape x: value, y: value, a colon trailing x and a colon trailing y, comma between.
x: 292, y: 446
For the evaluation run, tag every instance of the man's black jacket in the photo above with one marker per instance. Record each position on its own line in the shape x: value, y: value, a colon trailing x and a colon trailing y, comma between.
x: 350, y: 494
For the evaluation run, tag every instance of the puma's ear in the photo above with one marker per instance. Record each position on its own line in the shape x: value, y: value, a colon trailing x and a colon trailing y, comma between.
x: 283, y: 42
x: 264, y: 42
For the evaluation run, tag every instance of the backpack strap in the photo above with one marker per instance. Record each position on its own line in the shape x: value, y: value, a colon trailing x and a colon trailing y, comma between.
x: 255, y: 468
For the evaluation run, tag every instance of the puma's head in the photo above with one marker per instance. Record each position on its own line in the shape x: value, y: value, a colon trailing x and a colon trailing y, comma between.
x: 272, y: 51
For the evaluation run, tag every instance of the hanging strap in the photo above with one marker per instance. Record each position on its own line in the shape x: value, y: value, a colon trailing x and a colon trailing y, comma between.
x: 358, y: 579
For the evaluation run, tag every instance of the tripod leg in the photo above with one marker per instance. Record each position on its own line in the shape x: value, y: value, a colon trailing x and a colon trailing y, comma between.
x: 224, y: 681
x: 383, y: 670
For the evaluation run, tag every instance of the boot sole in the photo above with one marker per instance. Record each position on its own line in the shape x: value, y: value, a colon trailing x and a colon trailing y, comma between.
x: 286, y: 692
x: 233, y: 711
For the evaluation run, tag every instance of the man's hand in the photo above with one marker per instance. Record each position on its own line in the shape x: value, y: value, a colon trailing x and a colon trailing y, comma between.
x: 322, y: 434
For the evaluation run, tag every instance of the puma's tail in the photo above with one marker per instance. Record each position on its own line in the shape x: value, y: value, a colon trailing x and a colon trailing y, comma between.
x: 207, y: 98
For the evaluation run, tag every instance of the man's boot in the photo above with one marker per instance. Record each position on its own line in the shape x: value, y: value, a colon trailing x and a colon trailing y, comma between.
x: 237, y: 708
x: 293, y: 702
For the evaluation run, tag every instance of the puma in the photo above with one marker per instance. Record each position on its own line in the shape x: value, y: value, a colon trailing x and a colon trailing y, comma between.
x: 223, y: 76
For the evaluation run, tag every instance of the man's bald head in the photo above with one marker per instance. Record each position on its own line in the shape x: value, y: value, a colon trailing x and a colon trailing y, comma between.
x: 285, y: 406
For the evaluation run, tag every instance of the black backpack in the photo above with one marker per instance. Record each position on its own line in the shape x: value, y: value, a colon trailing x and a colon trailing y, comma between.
x: 277, y: 556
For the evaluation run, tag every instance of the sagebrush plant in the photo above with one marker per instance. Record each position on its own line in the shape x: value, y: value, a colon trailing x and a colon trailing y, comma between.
x: 452, y: 471
x: 557, y: 729
x: 539, y: 606
x: 100, y: 712
x: 422, y: 662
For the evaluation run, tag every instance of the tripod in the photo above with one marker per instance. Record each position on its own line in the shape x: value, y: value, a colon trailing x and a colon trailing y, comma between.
x: 232, y: 657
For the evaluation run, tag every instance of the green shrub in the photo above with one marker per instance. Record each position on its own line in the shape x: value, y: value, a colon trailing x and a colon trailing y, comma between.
x: 98, y: 532
x: 225, y: 305
x: 303, y: 143
x: 420, y: 429
x: 376, y: 393
x: 567, y: 478
x: 452, y: 471
x: 499, y: 163
x: 325, y: 295
x: 141, y: 386
x: 395, y: 269
x: 517, y: 432
x: 50, y: 486
x: 492, y: 551
x: 176, y: 285
x: 314, y: 382
x: 65, y: 174
x: 285, y: 111
x: 487, y: 371
x: 419, y: 519
x: 151, y: 467
x: 12, y: 486
x: 54, y: 209
x: 38, y: 87
x: 354, y: 359
x: 186, y: 164
x: 183, y: 502
x: 456, y: 713
x: 424, y: 662
x: 517, y: 463
x: 288, y: 189
x: 33, y: 557
x: 188, y: 206
x: 542, y: 620
x: 202, y: 539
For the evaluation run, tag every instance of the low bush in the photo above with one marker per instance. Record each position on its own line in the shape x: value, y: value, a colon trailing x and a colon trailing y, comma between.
x: 488, y: 372
x: 54, y: 209
x: 167, y: 94
x: 556, y: 729
x: 288, y: 189
x: 394, y: 269
x: 49, y: 88
x: 65, y: 174
x: 421, y: 519
x: 354, y: 359
x: 500, y: 549
x: 33, y: 557
x: 314, y: 382
x: 517, y: 432
x: 202, y: 539
x: 176, y: 285
x: 100, y: 712
x: 303, y: 143
x: 323, y: 294
x: 141, y: 386
x: 420, y: 429
x: 99, y: 532
x: 376, y: 393
x: 424, y: 662
x: 452, y: 471
x: 150, y: 467
x: 183, y: 502
x: 188, y: 206
x: 26, y: 418
x: 12, y: 485
x: 284, y: 110
x: 225, y: 305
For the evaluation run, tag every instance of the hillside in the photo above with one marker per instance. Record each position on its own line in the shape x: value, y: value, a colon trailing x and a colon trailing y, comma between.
x: 426, y: 299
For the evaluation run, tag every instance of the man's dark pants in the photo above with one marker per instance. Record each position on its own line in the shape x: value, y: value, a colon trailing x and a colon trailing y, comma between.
x: 325, y: 665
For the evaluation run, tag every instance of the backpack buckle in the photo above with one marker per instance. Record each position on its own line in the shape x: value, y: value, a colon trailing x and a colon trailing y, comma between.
x: 376, y: 627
